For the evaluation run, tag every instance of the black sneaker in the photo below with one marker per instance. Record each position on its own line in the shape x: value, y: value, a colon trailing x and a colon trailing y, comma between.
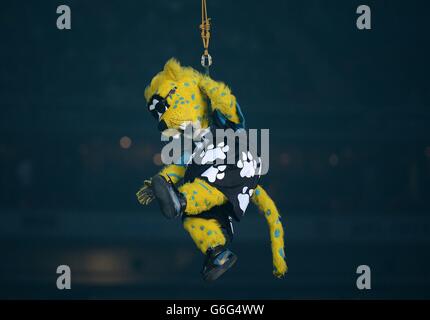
x: 171, y: 201
x: 218, y: 260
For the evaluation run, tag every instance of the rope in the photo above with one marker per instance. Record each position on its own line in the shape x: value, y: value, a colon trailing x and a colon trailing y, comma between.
x: 205, y: 28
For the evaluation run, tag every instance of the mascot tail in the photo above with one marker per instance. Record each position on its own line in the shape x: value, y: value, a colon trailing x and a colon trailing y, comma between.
x: 263, y: 201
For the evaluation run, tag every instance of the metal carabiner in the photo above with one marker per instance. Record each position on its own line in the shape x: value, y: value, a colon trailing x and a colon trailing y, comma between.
x: 206, y: 60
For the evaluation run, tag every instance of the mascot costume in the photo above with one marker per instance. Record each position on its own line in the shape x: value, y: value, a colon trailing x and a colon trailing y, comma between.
x: 206, y: 195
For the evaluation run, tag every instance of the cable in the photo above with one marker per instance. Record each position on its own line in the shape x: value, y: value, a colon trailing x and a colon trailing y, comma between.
x: 206, y: 60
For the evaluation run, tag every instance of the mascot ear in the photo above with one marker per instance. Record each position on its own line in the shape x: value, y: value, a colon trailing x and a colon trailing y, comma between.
x: 172, y: 69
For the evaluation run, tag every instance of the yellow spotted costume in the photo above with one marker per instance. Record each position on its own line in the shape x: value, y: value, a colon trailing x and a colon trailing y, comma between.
x: 195, y: 97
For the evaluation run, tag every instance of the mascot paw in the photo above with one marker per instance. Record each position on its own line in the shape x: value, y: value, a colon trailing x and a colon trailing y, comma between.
x: 145, y: 194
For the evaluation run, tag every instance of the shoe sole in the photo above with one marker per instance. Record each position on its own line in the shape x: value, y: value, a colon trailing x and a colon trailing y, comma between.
x: 218, y: 272
x: 160, y: 187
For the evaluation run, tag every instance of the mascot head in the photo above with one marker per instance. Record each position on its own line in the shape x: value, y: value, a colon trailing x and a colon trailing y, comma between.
x: 175, y: 99
x: 180, y: 96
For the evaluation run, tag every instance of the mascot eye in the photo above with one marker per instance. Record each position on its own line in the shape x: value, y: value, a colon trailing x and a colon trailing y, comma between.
x: 158, y: 105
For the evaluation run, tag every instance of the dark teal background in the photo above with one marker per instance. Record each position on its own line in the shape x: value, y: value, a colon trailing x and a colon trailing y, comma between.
x: 349, y: 118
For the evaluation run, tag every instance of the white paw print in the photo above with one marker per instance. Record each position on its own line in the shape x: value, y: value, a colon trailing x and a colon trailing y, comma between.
x: 211, y: 154
x: 214, y: 173
x: 247, y: 164
x: 244, y: 198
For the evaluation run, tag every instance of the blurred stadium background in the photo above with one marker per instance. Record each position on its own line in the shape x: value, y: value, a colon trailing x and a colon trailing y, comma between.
x: 349, y: 117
